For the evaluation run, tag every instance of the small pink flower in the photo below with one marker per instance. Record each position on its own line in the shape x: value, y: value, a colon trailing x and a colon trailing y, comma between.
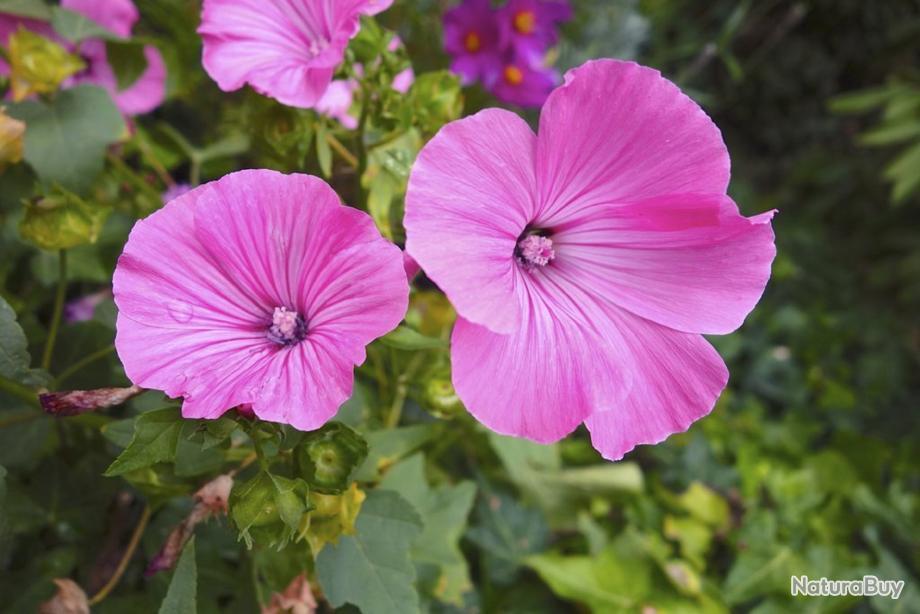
x: 337, y: 100
x: 586, y: 262
x: 260, y: 288
x: 286, y: 49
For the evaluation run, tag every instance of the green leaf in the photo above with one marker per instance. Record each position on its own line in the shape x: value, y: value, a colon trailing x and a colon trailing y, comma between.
x: 864, y: 100
x: 75, y: 27
x: 388, y: 167
x: 370, y: 42
x: 66, y: 138
x: 35, y: 9
x: 156, y: 434
x: 372, y: 569
x: 227, y: 147
x: 192, y: 457
x: 182, y: 595
x: 269, y: 509
x: 508, y: 532
x: 387, y: 446
x: 328, y: 457
x: 706, y: 505
x: 436, y: 99
x: 127, y: 60
x: 405, y: 338
x: 14, y: 348
x: 62, y: 220
x: 444, y: 511
x: 323, y: 150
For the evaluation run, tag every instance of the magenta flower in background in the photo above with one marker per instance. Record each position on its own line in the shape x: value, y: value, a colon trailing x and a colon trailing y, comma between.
x: 531, y: 27
x: 523, y: 84
x: 118, y: 17
x: 505, y: 49
x: 586, y: 262
x: 83, y: 309
x: 285, y: 49
x: 260, y: 289
x: 472, y: 38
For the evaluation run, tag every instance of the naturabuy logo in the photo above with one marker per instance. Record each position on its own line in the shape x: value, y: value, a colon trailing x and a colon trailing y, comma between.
x: 867, y: 586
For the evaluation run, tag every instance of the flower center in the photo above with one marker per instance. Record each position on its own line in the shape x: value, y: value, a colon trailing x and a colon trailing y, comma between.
x: 534, y: 251
x: 525, y: 22
x: 288, y: 327
x: 514, y: 75
x: 472, y: 42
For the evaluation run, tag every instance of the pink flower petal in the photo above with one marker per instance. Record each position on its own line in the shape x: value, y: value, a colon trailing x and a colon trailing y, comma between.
x: 690, y: 262
x: 286, y: 49
x: 619, y: 132
x: 116, y: 16
x: 543, y: 380
x: 199, y: 280
x: 149, y: 90
x: 469, y: 197
x: 677, y: 379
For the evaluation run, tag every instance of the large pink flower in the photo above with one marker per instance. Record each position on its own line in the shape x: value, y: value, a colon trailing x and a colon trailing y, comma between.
x: 586, y: 261
x: 260, y: 288
x: 286, y: 49
x: 116, y: 16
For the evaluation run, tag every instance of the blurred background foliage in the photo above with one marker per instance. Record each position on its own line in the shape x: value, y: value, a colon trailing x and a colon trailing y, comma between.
x: 808, y: 465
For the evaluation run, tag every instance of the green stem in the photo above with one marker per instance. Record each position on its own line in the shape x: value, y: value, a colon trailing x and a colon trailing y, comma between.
x: 84, y: 362
x: 362, y: 146
x: 402, y: 391
x: 125, y: 559
x: 343, y: 152
x: 16, y: 418
x: 58, y: 310
x: 194, y: 172
x: 19, y: 391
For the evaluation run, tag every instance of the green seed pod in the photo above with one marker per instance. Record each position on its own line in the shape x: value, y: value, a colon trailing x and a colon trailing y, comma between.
x: 327, y: 458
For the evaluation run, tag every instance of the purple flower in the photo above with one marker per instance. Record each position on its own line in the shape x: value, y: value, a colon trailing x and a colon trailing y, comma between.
x: 82, y: 309
x: 530, y: 27
x: 587, y: 261
x: 175, y: 191
x: 473, y: 40
x: 523, y: 84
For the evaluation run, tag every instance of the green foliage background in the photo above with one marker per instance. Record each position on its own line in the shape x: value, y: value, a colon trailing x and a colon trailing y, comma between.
x: 808, y: 465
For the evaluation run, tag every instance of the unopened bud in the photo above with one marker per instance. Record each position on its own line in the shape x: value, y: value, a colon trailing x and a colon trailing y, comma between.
x: 38, y: 65
x: 11, y: 132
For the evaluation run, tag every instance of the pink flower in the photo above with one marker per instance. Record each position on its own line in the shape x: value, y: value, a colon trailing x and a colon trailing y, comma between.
x: 119, y: 17
x: 286, y: 49
x: 336, y: 102
x: 587, y: 261
x: 260, y: 288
